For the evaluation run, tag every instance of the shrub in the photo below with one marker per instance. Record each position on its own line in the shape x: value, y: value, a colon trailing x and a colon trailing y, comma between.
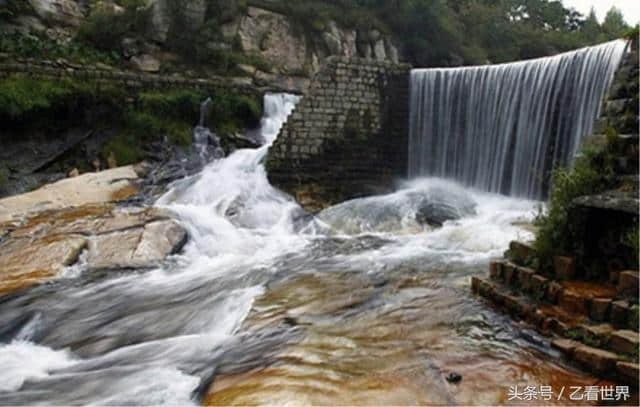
x: 105, y: 29
x: 591, y: 173
x: 182, y: 104
x: 30, y: 46
x: 24, y: 99
x: 12, y: 8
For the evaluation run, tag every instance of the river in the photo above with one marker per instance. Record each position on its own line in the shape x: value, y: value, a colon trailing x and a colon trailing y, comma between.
x: 267, y: 304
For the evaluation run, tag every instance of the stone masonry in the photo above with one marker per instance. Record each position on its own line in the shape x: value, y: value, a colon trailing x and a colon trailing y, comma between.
x: 588, y: 302
x: 348, y: 137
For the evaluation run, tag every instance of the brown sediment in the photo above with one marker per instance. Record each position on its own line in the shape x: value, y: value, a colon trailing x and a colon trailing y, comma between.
x: 125, y: 193
x: 398, y: 355
x: 589, y: 289
x: 11, y: 282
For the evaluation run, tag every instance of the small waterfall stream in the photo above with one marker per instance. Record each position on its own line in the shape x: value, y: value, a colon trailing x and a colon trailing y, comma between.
x: 368, y: 302
x: 501, y: 128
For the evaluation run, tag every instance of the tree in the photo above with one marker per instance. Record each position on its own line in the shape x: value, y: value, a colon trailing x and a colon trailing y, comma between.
x: 614, y: 25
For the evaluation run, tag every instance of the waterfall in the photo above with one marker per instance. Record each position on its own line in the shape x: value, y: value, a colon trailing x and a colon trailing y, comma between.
x: 501, y: 128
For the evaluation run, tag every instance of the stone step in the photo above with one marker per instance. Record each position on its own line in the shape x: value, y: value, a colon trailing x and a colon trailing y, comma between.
x: 628, y: 284
x: 625, y: 341
x: 603, y: 362
x: 558, y: 320
x: 579, y: 299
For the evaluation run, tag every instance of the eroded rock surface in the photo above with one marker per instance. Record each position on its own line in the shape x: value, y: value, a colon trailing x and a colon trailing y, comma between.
x: 42, y: 246
x: 91, y: 188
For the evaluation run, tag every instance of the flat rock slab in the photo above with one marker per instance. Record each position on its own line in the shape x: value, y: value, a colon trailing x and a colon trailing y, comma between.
x: 620, y: 201
x: 24, y: 262
x: 140, y: 247
x: 92, y: 188
x: 40, y: 247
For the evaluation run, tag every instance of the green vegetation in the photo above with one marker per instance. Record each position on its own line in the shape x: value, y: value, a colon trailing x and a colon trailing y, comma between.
x: 105, y: 29
x: 454, y: 32
x: 592, y: 173
x: 30, y: 46
x: 22, y: 99
x: 149, y: 116
x: 172, y: 115
x: 12, y: 8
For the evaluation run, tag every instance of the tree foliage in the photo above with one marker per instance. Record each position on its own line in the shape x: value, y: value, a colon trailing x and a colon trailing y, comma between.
x: 454, y: 32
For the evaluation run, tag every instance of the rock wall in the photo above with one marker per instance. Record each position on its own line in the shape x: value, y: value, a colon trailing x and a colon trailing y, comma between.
x: 348, y: 137
x: 270, y: 46
x: 295, y: 52
x: 130, y: 80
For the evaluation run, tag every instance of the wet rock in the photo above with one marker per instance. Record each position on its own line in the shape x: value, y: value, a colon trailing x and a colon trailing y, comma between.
x: 440, y: 206
x: 597, y: 360
x: 90, y: 188
x: 566, y: 346
x: 24, y: 262
x: 565, y: 267
x: 521, y: 253
x: 136, y: 248
x: 599, y: 309
x: 624, y: 342
x: 628, y: 283
x: 573, y: 302
x: 510, y: 277
x: 539, y: 286
x: 553, y: 292
x: 633, y: 321
x: 628, y: 372
x: 495, y: 270
x: 619, y: 313
x: 454, y: 377
x: 40, y: 247
x: 524, y: 278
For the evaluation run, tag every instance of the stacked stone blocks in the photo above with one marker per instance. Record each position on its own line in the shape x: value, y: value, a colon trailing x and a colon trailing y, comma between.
x: 348, y: 137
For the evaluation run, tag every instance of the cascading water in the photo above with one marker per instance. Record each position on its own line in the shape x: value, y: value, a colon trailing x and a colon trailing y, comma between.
x: 364, y: 303
x: 501, y: 128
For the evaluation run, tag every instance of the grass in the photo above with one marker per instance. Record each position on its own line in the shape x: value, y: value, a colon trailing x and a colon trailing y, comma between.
x: 20, y: 45
x: 23, y: 99
x: 162, y: 115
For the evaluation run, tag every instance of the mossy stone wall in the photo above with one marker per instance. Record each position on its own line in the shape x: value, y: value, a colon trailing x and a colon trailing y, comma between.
x: 347, y: 138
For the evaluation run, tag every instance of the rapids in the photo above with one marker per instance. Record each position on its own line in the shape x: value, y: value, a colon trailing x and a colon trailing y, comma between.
x: 270, y: 305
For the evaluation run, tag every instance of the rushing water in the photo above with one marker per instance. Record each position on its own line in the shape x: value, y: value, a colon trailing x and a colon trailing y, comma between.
x: 501, y: 128
x: 364, y: 304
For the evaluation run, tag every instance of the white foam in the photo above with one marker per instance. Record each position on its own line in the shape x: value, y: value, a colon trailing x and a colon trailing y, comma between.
x: 22, y: 361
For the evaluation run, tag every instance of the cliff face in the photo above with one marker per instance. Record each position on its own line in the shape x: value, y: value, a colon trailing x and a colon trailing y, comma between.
x: 274, y: 47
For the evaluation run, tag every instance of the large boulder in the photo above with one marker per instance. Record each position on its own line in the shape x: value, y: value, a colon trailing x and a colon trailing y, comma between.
x: 404, y: 211
x: 42, y: 246
x: 271, y: 35
x: 141, y: 247
x: 65, y: 12
x: 90, y: 188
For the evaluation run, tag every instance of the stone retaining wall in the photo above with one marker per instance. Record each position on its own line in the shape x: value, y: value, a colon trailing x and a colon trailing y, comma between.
x: 348, y: 137
x: 134, y: 81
